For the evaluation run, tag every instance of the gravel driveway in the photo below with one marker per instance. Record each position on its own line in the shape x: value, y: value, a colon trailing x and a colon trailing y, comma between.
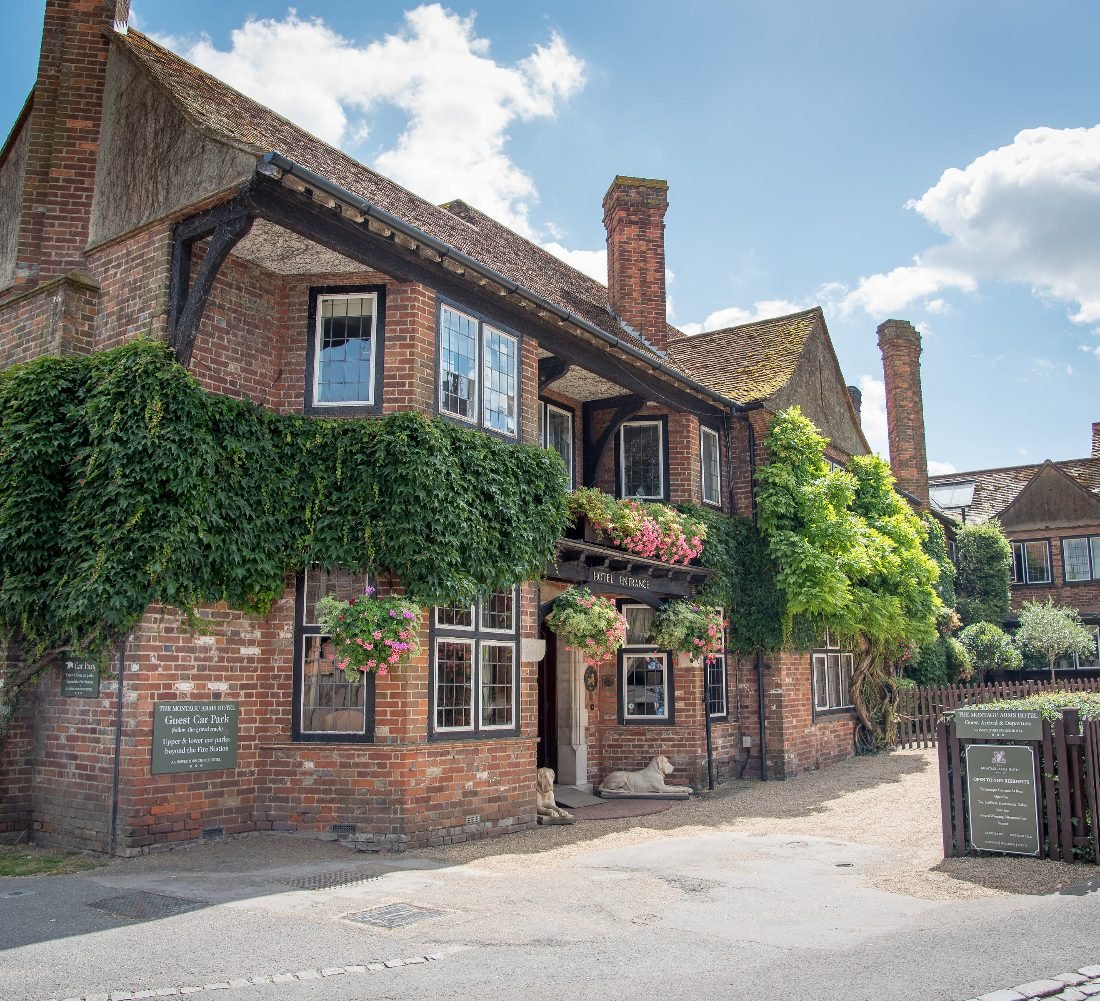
x: 888, y: 800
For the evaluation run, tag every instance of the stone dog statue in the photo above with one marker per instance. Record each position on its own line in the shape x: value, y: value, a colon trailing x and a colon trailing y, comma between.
x: 649, y: 781
x: 545, y: 806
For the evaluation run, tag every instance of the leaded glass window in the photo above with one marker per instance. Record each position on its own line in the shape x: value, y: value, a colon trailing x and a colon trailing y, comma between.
x: 475, y: 665
x: 641, y: 457
x: 711, y: 476
x: 328, y: 705
x: 501, y: 377
x: 458, y: 365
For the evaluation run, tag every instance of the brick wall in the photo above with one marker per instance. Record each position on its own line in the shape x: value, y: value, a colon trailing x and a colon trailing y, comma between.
x: 54, y: 318
x: 1084, y: 596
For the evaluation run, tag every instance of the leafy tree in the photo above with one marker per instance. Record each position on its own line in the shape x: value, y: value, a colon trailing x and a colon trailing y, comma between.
x: 935, y: 545
x: 983, y: 583
x: 990, y: 648
x: 1051, y: 629
x: 960, y: 665
x: 850, y: 556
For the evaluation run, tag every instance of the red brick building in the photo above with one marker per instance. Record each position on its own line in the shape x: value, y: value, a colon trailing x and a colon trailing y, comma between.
x: 142, y: 196
x: 1051, y: 514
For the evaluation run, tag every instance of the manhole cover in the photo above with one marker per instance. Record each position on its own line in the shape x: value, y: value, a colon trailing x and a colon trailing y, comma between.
x: 143, y: 904
x: 328, y: 880
x: 393, y: 915
x: 17, y: 893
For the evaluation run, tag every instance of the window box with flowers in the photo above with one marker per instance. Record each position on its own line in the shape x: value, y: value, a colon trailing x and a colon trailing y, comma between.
x: 651, y: 531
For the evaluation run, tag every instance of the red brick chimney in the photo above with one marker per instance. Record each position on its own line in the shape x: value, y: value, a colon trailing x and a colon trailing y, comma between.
x: 64, y: 136
x: 1096, y: 440
x: 899, y: 342
x: 633, y: 215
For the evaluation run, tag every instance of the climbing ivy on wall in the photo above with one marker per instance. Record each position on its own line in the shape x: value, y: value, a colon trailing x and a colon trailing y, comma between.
x: 124, y: 484
x: 850, y: 556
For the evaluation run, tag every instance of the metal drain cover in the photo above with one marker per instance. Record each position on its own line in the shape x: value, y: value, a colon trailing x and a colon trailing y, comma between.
x: 143, y: 904
x: 328, y: 880
x: 393, y: 915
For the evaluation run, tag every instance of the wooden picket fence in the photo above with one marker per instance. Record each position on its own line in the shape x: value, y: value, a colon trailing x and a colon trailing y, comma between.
x: 1067, y: 774
x: 920, y: 709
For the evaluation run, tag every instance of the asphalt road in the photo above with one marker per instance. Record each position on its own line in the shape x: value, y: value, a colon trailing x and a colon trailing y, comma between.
x: 699, y: 915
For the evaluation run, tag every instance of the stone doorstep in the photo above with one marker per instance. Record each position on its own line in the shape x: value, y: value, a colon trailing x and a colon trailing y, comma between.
x: 556, y: 821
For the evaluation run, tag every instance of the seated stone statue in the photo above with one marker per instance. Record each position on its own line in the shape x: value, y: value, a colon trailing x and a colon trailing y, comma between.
x: 545, y: 804
x: 649, y: 781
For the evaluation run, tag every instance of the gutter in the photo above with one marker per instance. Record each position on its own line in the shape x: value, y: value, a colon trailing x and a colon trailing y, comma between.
x: 319, y: 183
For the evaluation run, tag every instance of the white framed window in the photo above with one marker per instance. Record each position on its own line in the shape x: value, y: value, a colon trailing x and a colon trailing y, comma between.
x: 458, y: 364
x: 710, y: 461
x: 556, y: 433
x: 344, y: 349
x: 475, y: 666
x: 717, y: 706
x: 645, y: 685
x: 478, y: 372
x: 832, y: 679
x: 642, y: 460
x: 1081, y: 558
x: 497, y: 698
x: 1031, y: 562
x: 326, y: 705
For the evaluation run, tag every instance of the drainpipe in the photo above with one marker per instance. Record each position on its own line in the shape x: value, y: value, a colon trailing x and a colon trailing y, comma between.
x: 706, y: 719
x: 118, y: 744
x: 763, y: 718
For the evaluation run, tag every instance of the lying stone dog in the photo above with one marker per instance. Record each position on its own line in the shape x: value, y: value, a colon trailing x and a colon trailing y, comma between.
x: 649, y: 781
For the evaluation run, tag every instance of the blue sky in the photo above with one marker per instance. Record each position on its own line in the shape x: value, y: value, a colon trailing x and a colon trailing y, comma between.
x: 937, y: 162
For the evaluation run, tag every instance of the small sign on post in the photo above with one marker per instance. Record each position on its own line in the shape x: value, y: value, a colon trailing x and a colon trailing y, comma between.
x: 975, y: 723
x: 79, y: 680
x: 1002, y: 799
x: 194, y: 736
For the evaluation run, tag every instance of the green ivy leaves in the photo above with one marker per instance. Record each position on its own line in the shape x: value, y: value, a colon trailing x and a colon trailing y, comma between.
x: 124, y: 484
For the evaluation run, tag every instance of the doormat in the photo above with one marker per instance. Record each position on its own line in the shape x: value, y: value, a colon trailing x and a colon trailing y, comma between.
x: 620, y: 808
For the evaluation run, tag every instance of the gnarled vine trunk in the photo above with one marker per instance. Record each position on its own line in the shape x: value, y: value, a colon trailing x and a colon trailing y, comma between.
x: 875, y: 697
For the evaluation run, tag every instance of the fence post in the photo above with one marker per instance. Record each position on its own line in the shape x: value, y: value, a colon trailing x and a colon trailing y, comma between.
x: 947, y: 816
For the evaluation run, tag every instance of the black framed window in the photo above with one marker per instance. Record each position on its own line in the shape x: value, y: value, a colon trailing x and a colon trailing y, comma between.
x: 832, y: 679
x: 556, y: 433
x: 642, y: 460
x: 711, y: 465
x: 645, y: 672
x: 1081, y: 558
x: 1031, y: 562
x: 717, y: 705
x: 475, y: 667
x: 327, y: 707
x: 479, y: 368
x: 344, y: 349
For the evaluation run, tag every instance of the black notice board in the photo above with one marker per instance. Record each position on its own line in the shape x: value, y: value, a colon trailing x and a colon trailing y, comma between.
x: 194, y: 736
x: 79, y: 680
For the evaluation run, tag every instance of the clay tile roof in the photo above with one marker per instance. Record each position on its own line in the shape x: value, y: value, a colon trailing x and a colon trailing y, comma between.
x: 229, y: 116
x: 995, y: 489
x: 750, y: 362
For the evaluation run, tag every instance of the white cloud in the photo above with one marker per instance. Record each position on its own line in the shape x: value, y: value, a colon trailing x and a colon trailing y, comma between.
x: 941, y: 468
x: 458, y: 101
x: 873, y: 414
x: 732, y: 316
x: 592, y: 262
x: 1027, y: 212
x: 1092, y: 349
x: 1046, y: 367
